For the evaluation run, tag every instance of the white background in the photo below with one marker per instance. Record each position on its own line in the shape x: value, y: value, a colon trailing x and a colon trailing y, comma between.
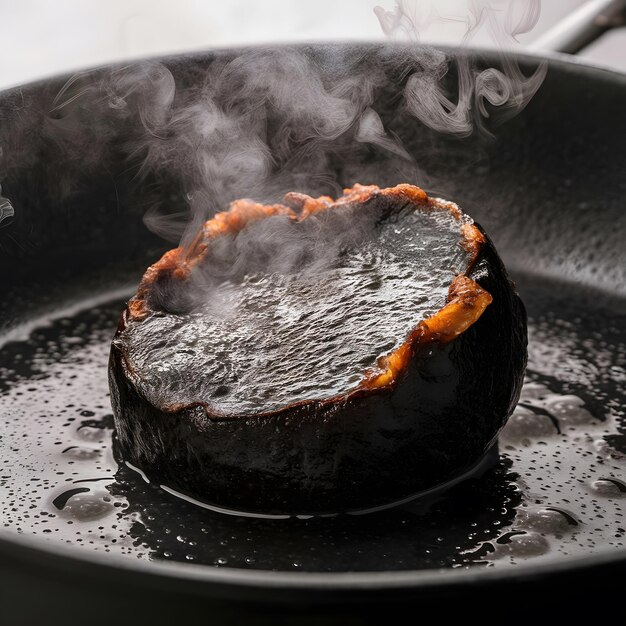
x: 44, y: 37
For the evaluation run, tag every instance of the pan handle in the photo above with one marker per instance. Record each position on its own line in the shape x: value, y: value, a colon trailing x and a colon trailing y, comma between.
x: 582, y: 26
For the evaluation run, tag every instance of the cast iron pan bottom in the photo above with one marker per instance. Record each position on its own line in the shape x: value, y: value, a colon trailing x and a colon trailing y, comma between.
x: 555, y: 491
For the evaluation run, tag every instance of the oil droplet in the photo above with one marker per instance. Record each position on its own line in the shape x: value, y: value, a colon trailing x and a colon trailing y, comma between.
x: 80, y: 453
x: 89, y: 433
x: 522, y: 545
x: 81, y: 504
x: 525, y: 425
x: 549, y: 520
x: 609, y: 487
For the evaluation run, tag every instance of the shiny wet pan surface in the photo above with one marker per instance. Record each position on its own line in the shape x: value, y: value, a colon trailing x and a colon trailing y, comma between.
x: 554, y: 489
x: 554, y: 494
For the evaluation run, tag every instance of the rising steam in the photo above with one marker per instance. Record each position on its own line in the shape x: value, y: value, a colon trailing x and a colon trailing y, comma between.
x: 6, y: 208
x: 259, y: 125
x: 273, y: 120
x: 507, y: 88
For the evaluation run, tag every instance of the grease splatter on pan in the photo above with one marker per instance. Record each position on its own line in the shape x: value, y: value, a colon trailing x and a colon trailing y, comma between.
x: 556, y: 488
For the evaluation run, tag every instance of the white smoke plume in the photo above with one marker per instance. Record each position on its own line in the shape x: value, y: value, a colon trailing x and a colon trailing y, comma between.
x: 269, y: 120
x: 507, y: 88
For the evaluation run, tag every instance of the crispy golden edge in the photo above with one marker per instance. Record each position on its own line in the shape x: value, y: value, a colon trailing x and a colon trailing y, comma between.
x: 466, y: 299
x: 180, y: 261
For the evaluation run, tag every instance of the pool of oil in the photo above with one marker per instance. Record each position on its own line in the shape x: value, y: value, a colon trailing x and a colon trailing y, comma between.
x: 556, y: 487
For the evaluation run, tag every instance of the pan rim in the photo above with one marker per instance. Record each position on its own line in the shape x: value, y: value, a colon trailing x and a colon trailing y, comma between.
x: 200, y: 579
x: 529, y: 54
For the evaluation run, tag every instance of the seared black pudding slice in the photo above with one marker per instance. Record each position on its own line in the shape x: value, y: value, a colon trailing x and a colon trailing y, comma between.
x: 319, y: 355
x: 334, y: 292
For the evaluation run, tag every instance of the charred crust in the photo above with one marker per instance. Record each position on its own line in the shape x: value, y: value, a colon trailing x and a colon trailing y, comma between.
x: 466, y: 299
x: 423, y: 416
x: 179, y: 262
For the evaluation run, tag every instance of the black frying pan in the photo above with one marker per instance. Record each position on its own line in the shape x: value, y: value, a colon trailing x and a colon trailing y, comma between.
x: 550, y: 192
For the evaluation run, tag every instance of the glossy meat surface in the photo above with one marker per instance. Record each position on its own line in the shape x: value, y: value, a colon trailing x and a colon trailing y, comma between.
x: 287, y: 311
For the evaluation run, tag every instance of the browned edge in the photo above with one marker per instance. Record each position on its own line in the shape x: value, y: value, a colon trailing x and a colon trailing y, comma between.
x: 465, y: 304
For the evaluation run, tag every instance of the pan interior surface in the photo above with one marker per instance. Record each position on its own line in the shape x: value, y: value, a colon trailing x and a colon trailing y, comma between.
x: 556, y: 488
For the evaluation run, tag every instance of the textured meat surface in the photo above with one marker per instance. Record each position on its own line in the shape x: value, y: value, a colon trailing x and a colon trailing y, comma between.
x: 287, y: 311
